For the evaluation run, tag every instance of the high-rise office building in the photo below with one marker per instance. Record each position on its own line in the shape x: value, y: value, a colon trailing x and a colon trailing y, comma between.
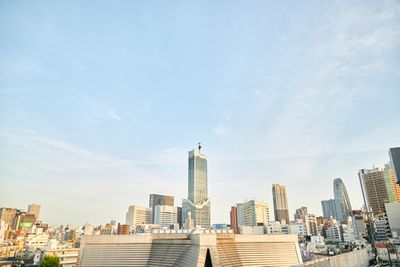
x: 252, y: 213
x: 138, y: 215
x: 301, y: 213
x: 34, y: 209
x: 156, y: 199
x: 374, y: 189
x: 331, y: 208
x: 281, y: 210
x: 165, y: 215
x: 392, y: 186
x: 197, y: 203
x: 394, y: 154
x: 340, y: 194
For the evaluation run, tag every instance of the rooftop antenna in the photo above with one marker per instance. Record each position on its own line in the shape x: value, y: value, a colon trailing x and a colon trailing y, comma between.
x: 199, y: 146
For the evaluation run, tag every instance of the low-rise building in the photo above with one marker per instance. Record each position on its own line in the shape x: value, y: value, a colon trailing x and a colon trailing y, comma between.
x: 68, y: 256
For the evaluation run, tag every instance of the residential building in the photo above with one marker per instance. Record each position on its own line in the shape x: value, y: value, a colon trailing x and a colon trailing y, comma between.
x: 349, y: 231
x: 340, y: 194
x: 165, y: 215
x: 375, y: 189
x: 331, y: 209
x: 197, y: 203
x: 393, y: 217
x: 274, y: 227
x: 394, y: 154
x: 311, y: 224
x: 68, y: 256
x: 138, y: 215
x: 298, y: 227
x: 382, y: 229
x: 123, y: 229
x: 34, y: 209
x: 300, y: 213
x: 36, y: 241
x: 156, y: 199
x: 281, y: 211
x: 334, y: 231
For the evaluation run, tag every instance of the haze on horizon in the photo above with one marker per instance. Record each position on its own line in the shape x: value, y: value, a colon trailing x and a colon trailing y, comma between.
x: 100, y: 101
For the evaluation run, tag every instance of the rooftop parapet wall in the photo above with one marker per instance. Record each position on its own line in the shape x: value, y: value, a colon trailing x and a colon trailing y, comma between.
x: 190, y: 250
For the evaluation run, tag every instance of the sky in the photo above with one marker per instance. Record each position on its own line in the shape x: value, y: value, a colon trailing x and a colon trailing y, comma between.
x: 100, y: 101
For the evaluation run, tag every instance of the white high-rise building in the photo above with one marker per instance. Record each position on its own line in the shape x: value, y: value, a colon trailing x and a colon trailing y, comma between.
x: 138, y: 215
x: 197, y: 203
x: 311, y: 224
x: 252, y: 213
x: 334, y: 231
x: 165, y: 215
x: 349, y: 231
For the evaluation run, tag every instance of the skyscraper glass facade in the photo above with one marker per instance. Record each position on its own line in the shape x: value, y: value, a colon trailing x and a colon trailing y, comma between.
x: 340, y: 194
x: 197, y: 203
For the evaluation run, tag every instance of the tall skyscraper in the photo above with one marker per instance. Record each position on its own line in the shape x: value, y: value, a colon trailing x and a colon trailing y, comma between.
x: 34, y: 209
x: 331, y: 208
x: 281, y: 210
x: 374, y: 189
x: 159, y: 200
x: 394, y: 154
x: 197, y: 203
x: 340, y: 194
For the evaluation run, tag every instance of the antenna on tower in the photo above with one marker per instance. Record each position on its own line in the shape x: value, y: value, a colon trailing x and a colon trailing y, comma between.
x: 199, y: 146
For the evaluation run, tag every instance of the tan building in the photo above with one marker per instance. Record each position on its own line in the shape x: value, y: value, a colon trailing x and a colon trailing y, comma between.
x: 68, y: 256
x: 377, y: 188
x: 7, y: 215
x: 138, y: 215
x: 194, y: 250
x: 34, y: 209
x: 281, y: 210
x: 252, y: 213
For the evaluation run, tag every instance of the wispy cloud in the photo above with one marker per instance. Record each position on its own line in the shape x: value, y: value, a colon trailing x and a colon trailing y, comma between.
x: 220, y: 130
x: 96, y: 110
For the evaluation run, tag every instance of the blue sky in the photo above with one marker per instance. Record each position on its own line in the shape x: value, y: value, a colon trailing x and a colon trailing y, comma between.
x: 101, y: 100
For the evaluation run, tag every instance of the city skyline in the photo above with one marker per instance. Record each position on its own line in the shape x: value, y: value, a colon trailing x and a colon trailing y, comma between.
x: 99, y: 103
